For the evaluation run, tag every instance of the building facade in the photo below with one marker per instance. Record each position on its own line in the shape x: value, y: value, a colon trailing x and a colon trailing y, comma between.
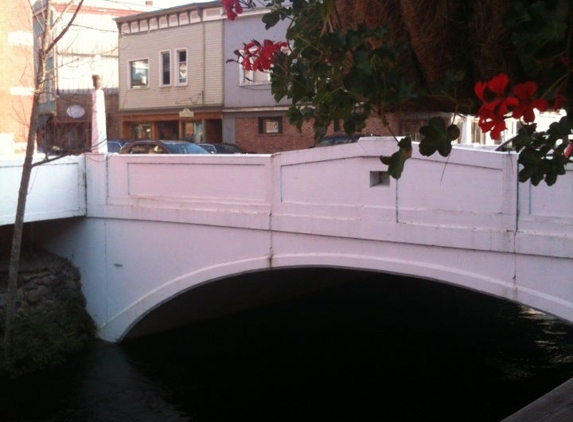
x: 251, y: 117
x: 17, y: 70
x: 178, y: 81
x: 171, y: 73
x: 88, y: 47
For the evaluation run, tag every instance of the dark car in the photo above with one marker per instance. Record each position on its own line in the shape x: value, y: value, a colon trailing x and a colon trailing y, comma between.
x: 223, y: 148
x: 114, y: 145
x: 161, y: 147
x: 339, y: 138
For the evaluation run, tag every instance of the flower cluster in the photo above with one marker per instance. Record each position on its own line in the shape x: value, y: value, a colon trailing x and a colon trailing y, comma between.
x: 233, y: 8
x: 257, y: 56
x: 498, y: 101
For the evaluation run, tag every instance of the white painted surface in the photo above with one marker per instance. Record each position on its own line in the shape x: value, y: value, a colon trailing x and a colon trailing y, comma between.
x: 158, y: 226
x: 57, y: 189
x: 99, y: 131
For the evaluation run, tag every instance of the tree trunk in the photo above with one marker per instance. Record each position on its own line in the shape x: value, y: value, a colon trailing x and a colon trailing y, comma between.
x: 48, y: 41
x: 13, y: 269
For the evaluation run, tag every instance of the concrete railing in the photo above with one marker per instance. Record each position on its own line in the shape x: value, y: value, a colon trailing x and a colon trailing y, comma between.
x: 463, y: 220
x: 56, y: 190
x: 472, y: 197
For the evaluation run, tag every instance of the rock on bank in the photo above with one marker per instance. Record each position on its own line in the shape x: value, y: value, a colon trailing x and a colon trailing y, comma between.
x: 51, y: 319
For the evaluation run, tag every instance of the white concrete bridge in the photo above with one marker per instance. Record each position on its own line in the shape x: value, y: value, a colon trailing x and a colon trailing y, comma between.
x: 155, y: 228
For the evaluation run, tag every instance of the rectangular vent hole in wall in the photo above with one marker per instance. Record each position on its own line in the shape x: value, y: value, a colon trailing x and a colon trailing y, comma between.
x: 379, y: 178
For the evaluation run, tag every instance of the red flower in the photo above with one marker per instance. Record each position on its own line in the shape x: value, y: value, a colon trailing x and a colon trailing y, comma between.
x: 489, y: 120
x: 233, y: 8
x: 259, y: 56
x: 496, y: 104
x: 524, y: 92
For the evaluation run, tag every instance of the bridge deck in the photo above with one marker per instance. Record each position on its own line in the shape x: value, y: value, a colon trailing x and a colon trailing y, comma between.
x: 555, y: 406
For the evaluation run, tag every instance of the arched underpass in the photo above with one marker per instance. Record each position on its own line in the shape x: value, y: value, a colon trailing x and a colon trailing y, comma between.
x: 356, y: 344
x: 233, y: 294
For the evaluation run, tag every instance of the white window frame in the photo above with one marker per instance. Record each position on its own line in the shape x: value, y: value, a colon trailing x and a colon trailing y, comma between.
x: 177, y: 72
x: 247, y: 77
x: 130, y: 73
x: 162, y: 69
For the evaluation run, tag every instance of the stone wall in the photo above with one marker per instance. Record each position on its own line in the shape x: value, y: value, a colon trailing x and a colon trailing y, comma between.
x: 51, y: 319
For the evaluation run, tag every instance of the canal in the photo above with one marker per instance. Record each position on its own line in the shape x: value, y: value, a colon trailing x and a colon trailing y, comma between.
x: 379, y: 347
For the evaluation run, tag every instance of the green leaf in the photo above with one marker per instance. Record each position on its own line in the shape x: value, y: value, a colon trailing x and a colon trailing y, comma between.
x: 561, y: 129
x: 529, y: 157
x: 437, y: 137
x: 523, y: 138
x: 270, y: 20
x: 537, y: 166
x: 396, y: 161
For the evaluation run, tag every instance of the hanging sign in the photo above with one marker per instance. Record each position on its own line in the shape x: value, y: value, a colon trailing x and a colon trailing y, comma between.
x: 186, y: 113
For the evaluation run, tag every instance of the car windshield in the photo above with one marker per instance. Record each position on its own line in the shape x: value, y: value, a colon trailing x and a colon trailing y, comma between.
x: 114, y: 145
x: 183, y: 148
x: 223, y: 148
x: 338, y: 139
x: 208, y: 147
x: 231, y: 149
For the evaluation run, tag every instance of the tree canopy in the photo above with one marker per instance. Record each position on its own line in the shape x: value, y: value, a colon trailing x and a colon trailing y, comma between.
x: 496, y: 59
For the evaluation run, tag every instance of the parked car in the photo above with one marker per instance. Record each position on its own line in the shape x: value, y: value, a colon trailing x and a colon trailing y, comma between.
x: 161, y: 147
x: 114, y: 145
x: 223, y: 148
x: 339, y: 138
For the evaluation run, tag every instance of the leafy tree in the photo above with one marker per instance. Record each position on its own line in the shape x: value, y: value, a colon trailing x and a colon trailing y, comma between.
x: 496, y: 59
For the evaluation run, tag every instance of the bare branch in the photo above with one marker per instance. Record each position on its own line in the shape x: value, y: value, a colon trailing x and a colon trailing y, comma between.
x: 68, y: 25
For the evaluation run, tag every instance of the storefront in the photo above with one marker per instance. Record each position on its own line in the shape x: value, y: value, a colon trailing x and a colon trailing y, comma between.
x: 193, y: 126
x: 68, y: 127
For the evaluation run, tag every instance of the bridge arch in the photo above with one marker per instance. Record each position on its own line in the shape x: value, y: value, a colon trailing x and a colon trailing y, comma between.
x: 223, y: 289
x: 472, y: 226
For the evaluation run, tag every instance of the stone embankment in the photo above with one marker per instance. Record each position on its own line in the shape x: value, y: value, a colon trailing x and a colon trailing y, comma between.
x: 51, y: 319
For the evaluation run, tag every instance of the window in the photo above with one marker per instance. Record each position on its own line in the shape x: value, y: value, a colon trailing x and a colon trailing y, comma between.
x: 141, y: 131
x: 139, y: 73
x: 182, y: 67
x: 165, y: 68
x: 270, y: 125
x: 253, y: 77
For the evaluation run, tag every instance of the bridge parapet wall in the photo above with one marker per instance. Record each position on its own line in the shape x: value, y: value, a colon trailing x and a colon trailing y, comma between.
x: 470, y: 199
x: 470, y: 196
x: 56, y: 190
x: 161, y: 226
x: 228, y: 191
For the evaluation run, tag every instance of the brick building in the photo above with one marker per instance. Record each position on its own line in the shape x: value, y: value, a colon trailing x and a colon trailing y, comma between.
x: 17, y: 81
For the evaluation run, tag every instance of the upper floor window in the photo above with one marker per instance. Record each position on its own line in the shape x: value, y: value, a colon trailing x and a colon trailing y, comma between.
x: 165, y: 68
x: 139, y: 73
x: 257, y: 77
x: 253, y: 77
x: 182, y: 67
